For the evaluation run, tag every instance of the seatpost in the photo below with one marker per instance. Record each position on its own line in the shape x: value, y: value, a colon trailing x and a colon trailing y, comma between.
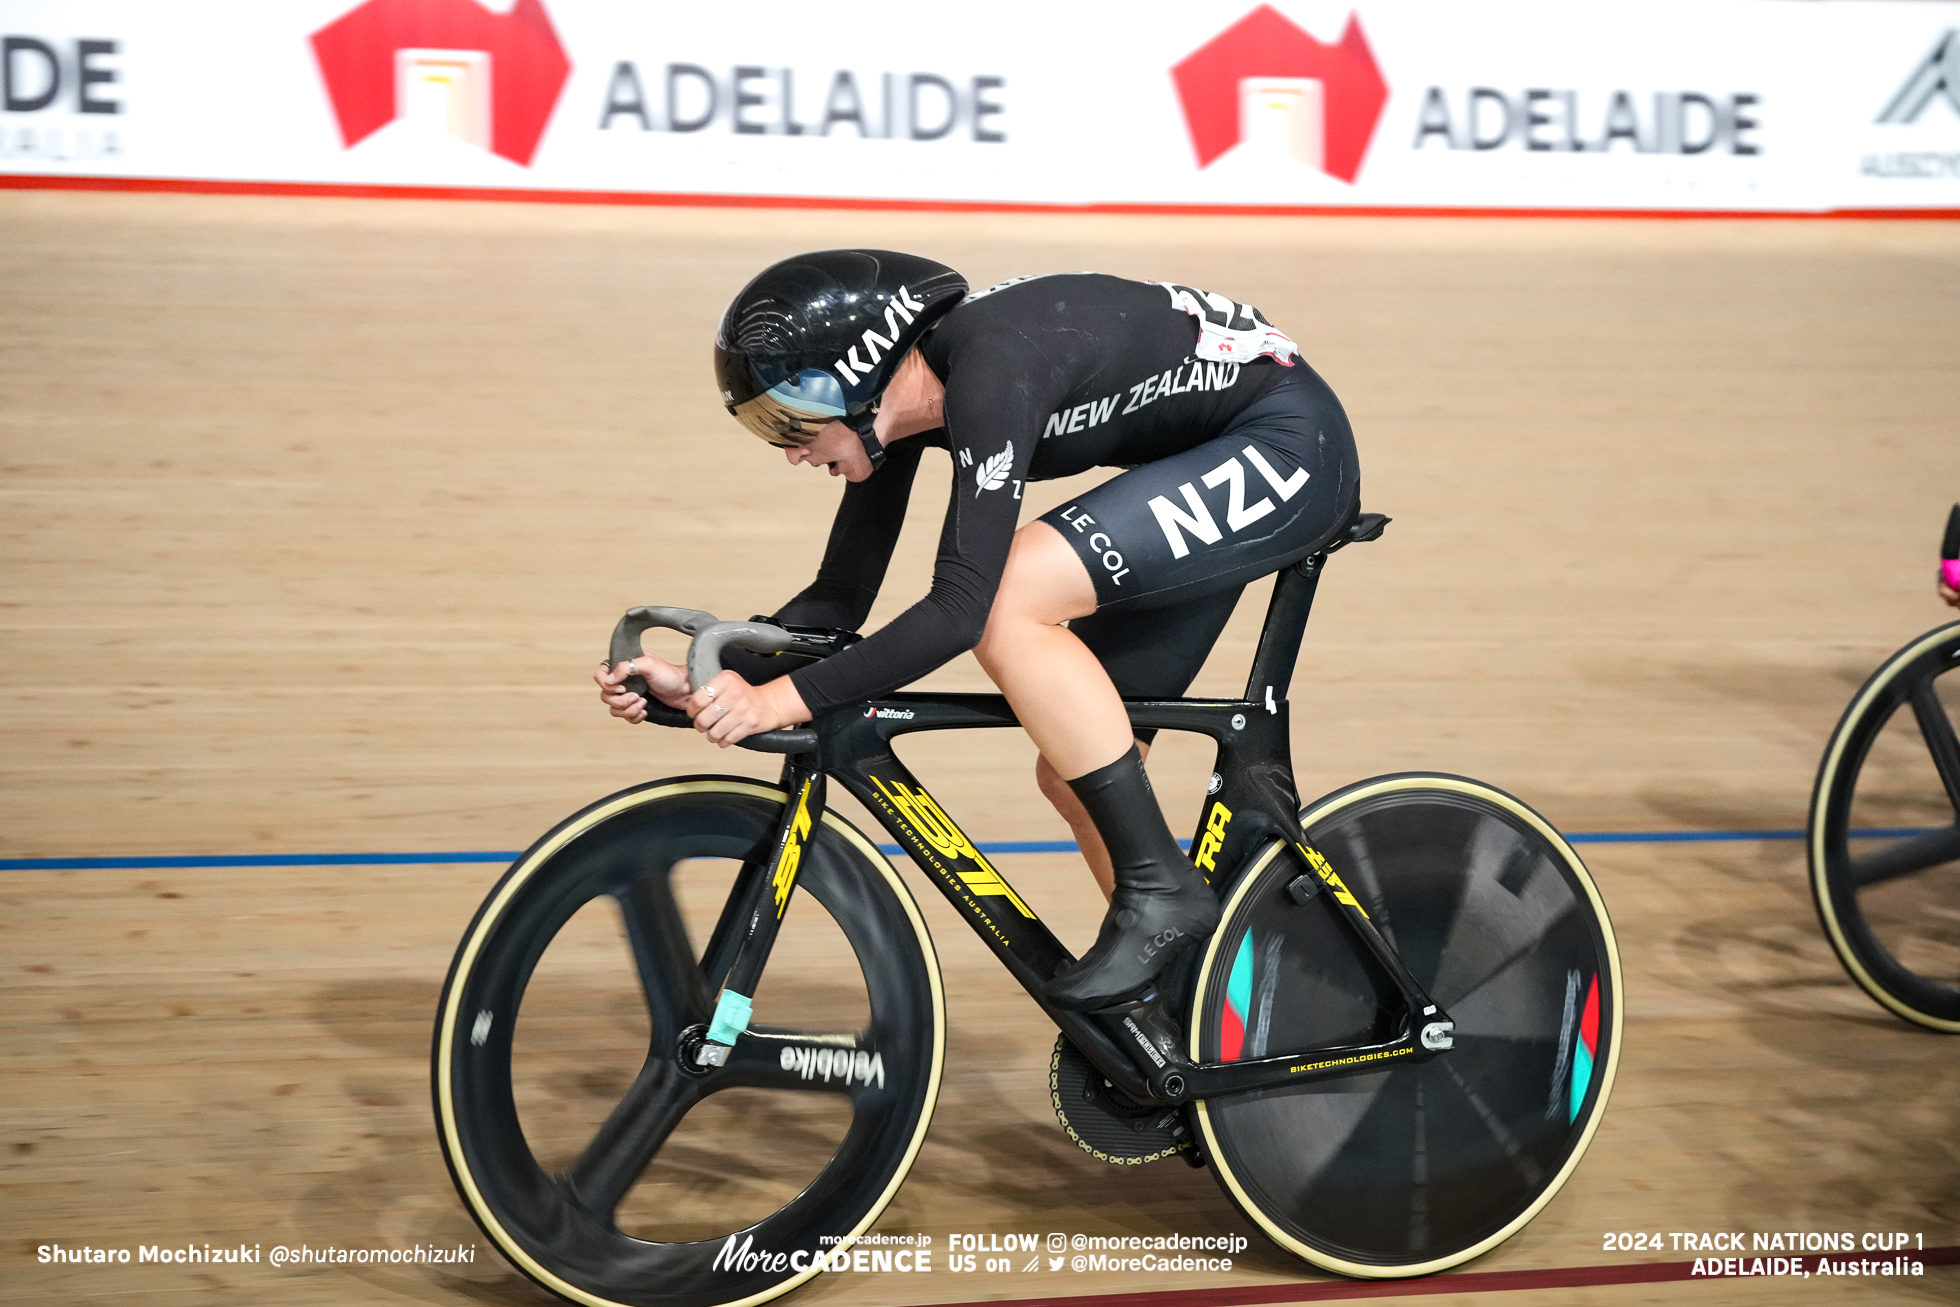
x: 1286, y: 623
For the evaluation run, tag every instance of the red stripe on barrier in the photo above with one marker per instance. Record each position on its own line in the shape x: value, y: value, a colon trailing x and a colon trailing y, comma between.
x: 338, y: 190
x: 1568, y: 1277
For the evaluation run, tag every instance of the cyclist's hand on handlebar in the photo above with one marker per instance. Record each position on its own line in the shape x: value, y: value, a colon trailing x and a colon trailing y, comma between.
x: 668, y: 682
x: 1951, y: 595
x: 728, y: 708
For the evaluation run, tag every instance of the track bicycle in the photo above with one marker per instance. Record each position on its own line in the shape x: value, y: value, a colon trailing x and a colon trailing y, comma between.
x: 1884, y: 833
x: 690, y: 1045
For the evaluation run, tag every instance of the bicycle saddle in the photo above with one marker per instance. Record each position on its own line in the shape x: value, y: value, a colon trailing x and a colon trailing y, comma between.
x: 1364, y: 527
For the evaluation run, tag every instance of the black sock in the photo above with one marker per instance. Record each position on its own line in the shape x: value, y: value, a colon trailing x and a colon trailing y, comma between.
x: 1120, y: 802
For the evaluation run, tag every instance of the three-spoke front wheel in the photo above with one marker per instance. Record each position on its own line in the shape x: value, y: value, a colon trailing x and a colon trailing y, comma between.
x: 583, y: 1139
x: 1885, y: 833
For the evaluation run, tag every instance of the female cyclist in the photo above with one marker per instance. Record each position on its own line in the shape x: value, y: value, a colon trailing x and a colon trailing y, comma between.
x: 1950, y: 559
x: 1240, y: 461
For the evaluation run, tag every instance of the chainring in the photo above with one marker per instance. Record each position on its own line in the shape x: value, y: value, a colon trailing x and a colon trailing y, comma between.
x: 1106, y: 1123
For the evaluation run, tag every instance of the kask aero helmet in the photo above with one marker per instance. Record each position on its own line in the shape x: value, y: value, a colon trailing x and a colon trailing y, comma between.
x: 816, y: 339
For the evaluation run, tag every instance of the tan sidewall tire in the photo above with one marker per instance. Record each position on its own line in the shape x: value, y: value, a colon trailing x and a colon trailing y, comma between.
x: 1829, y: 776
x: 449, y: 1016
x: 1212, y: 966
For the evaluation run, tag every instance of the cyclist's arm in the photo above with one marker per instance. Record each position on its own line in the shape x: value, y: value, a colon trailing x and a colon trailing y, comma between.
x: 989, y: 407
x: 862, y: 537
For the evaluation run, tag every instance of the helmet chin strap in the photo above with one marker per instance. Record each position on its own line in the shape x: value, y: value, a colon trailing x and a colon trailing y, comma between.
x: 862, y: 423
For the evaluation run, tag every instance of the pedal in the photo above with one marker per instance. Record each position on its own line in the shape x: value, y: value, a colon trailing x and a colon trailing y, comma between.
x: 1106, y: 1123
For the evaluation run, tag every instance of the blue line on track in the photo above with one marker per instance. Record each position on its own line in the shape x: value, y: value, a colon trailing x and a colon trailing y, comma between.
x: 1676, y: 836
x: 251, y: 860
x: 997, y: 848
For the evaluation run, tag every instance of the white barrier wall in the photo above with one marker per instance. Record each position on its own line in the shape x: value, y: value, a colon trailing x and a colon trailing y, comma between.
x: 1718, y: 105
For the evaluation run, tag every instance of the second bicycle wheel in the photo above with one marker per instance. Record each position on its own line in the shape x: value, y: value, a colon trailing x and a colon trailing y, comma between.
x: 582, y: 1137
x: 1884, y: 833
x: 1421, y: 1165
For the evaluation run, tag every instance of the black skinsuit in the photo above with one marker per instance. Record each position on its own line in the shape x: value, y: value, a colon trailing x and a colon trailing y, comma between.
x: 1046, y: 377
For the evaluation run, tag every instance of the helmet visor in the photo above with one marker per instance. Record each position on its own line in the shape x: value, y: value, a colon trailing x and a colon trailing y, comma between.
x: 791, y: 414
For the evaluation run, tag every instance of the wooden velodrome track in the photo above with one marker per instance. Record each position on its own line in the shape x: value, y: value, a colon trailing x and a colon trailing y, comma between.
x: 317, y: 513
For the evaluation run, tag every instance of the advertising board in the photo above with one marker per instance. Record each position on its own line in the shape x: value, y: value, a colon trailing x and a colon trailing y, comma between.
x: 1721, y: 106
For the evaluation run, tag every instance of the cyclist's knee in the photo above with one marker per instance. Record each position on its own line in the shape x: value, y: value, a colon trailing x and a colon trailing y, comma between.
x: 1044, y: 585
x: 1043, y: 582
x: 1053, y: 788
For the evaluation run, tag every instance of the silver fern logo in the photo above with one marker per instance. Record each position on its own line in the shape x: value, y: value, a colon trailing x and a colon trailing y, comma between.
x: 992, y: 474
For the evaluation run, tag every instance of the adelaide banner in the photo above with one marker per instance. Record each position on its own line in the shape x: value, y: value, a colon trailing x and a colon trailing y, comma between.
x: 1664, y: 106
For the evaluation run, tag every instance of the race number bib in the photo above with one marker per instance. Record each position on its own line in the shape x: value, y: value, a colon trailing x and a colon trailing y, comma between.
x: 1229, y: 331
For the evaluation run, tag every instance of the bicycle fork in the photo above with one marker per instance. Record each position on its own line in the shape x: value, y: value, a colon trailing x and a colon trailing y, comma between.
x: 765, y: 903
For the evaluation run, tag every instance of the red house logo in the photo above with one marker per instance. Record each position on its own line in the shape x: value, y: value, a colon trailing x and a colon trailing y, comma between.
x: 1265, y: 78
x: 490, y: 79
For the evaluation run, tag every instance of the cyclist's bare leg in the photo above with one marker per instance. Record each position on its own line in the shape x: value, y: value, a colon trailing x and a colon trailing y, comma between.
x: 1070, y: 708
x: 1060, y: 692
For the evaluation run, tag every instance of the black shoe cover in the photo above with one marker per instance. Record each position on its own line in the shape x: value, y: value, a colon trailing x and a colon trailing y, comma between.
x: 1141, y: 936
x: 1161, y: 904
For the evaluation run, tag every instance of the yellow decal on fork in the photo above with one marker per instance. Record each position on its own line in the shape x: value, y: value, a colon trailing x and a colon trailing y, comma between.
x: 1213, y: 839
x: 922, y: 816
x: 1327, y: 873
x: 799, y: 833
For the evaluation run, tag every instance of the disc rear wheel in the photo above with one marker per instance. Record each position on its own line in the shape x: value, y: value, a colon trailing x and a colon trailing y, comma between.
x: 1420, y: 1165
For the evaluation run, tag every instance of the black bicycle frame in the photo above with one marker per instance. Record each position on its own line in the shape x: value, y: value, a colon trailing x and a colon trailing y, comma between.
x: 1253, y: 802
